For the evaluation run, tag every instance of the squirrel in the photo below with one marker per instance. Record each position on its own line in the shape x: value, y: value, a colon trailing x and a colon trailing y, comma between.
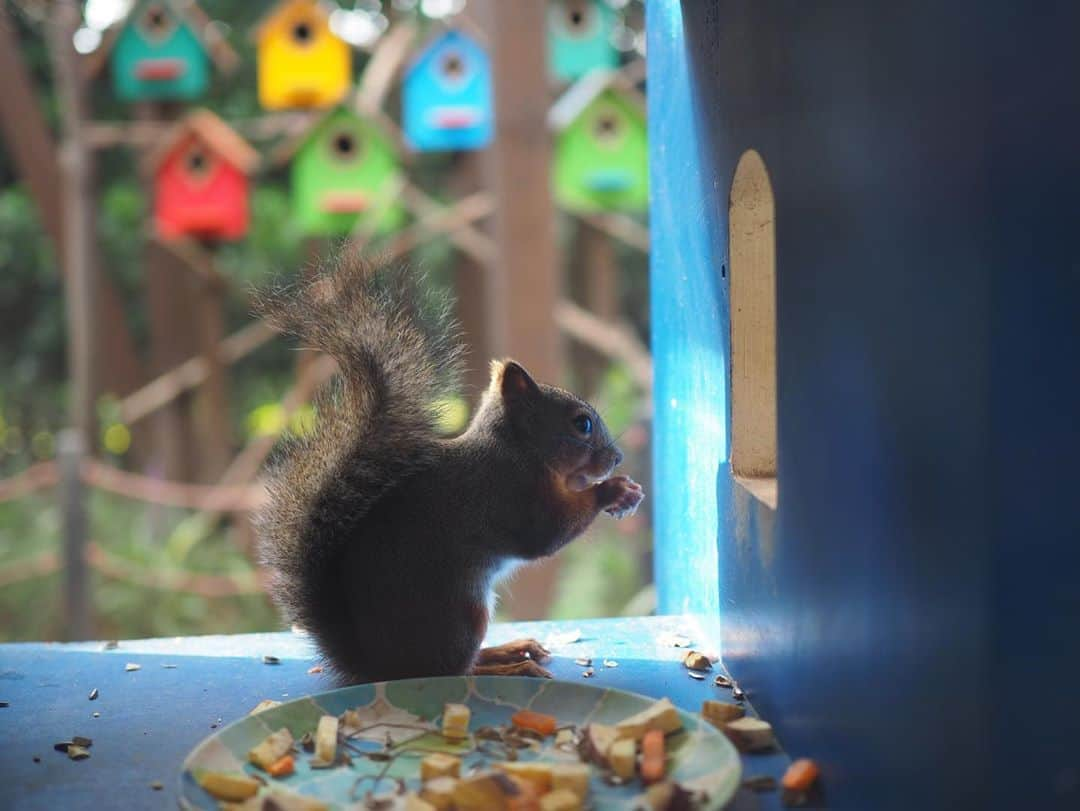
x: 384, y: 538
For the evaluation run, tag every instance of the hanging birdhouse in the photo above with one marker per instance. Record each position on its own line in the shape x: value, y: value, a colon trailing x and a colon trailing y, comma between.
x: 601, y: 156
x: 579, y: 38
x: 162, y: 50
x: 446, y: 97
x: 301, y: 63
x: 345, y: 174
x: 201, y: 185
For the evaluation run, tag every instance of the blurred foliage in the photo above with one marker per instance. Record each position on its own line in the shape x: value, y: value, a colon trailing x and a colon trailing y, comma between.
x: 601, y: 572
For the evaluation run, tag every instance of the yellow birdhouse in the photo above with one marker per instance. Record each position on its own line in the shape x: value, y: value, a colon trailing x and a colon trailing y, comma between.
x: 301, y: 62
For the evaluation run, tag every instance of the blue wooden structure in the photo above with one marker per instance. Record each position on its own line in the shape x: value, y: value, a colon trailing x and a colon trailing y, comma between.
x: 446, y: 96
x: 579, y: 38
x: 909, y: 613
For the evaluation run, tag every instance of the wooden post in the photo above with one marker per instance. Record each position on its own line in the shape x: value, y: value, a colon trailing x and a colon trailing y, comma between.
x: 211, y: 406
x: 596, y: 277
x: 76, y: 173
x: 524, y: 283
x: 78, y: 621
x: 471, y: 288
x: 31, y: 147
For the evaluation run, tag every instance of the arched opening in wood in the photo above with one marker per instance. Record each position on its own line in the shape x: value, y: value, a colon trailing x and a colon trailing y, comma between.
x: 752, y: 259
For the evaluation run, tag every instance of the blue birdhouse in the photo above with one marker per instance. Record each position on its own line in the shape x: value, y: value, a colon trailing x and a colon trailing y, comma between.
x: 579, y: 38
x: 446, y: 96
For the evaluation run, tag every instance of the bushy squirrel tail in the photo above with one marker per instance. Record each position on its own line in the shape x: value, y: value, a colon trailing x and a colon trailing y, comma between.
x: 399, y: 358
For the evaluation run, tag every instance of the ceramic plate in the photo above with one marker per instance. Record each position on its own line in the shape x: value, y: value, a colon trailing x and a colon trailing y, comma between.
x: 699, y: 757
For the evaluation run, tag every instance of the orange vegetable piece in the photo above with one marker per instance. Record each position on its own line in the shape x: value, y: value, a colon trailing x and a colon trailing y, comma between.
x: 536, y: 721
x: 282, y: 767
x: 800, y: 775
x: 652, y: 756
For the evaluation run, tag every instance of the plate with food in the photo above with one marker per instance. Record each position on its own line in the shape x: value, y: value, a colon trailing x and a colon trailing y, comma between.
x: 470, y: 743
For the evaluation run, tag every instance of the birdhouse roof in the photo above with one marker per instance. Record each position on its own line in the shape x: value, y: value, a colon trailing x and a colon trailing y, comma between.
x: 213, y: 132
x: 211, y: 38
x: 587, y: 90
x: 272, y: 15
x: 287, y: 149
x: 439, y: 31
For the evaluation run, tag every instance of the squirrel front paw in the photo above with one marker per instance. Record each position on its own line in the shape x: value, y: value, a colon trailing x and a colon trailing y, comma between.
x: 620, y: 496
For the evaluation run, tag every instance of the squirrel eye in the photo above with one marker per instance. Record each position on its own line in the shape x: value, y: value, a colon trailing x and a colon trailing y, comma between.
x: 583, y: 423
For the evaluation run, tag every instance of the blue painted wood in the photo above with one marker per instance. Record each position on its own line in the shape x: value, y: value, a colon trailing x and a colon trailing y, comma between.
x: 689, y: 327
x: 917, y: 587
x: 151, y: 718
x: 446, y: 96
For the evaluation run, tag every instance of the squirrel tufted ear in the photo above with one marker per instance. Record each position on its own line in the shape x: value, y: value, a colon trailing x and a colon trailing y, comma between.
x: 511, y: 380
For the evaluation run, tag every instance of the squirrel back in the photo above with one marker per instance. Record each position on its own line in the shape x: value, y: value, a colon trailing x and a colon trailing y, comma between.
x: 384, y: 539
x: 375, y: 424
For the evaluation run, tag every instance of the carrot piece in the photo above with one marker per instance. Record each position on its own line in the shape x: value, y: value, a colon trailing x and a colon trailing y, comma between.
x: 652, y: 756
x: 800, y: 775
x: 536, y: 721
x: 282, y: 767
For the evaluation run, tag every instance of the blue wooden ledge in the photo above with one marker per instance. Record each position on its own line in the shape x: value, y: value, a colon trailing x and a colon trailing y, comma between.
x: 150, y: 718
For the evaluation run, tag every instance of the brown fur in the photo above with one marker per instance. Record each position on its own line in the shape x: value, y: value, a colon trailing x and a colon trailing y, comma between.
x: 384, y: 538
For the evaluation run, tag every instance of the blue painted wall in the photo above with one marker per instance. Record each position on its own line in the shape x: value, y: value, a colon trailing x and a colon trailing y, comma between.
x: 440, y: 112
x: 911, y: 613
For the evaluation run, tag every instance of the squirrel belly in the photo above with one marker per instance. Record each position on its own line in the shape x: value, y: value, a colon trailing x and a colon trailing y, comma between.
x: 383, y: 538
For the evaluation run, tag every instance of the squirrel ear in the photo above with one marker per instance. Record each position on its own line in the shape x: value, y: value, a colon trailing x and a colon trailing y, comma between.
x: 513, y: 382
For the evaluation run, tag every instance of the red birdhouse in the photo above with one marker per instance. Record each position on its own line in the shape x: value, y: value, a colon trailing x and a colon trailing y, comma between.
x: 200, y: 175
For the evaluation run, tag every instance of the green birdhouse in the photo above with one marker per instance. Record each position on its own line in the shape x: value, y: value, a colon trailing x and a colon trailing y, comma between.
x: 345, y: 174
x: 163, y: 50
x: 579, y: 38
x: 601, y: 151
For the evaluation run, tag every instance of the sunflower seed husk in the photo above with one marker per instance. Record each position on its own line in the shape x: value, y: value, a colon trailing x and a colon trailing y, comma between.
x: 737, y: 693
x: 723, y: 681
x: 696, y: 660
x: 131, y: 667
x: 157, y: 785
x: 610, y: 663
x: 588, y: 673
x: 583, y: 661
x: 93, y: 695
x: 695, y: 675
x: 77, y: 752
x: 112, y: 644
x: 271, y: 660
x: 96, y: 714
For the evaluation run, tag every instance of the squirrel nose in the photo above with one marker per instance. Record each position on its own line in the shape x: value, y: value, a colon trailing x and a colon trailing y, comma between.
x: 618, y: 457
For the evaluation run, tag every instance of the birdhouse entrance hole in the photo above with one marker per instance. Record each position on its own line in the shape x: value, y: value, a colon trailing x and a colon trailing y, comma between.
x: 344, y: 146
x: 578, y: 16
x: 752, y: 254
x: 157, y: 23
x: 453, y: 66
x: 607, y: 128
x: 302, y: 32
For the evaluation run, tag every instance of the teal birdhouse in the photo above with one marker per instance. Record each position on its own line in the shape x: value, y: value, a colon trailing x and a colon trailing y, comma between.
x: 163, y: 50
x: 345, y: 174
x: 601, y: 148
x: 579, y: 38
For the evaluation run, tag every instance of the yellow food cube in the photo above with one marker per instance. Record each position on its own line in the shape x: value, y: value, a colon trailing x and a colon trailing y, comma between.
x: 439, y: 764
x: 225, y: 786
x: 662, y: 715
x: 562, y: 800
x: 623, y: 757
x: 282, y: 801
x: 485, y: 791
x: 537, y: 773
x: 596, y: 742
x: 719, y: 713
x: 326, y: 739
x: 415, y: 803
x: 571, y: 777
x: 275, y: 747
x: 455, y: 721
x: 439, y: 792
